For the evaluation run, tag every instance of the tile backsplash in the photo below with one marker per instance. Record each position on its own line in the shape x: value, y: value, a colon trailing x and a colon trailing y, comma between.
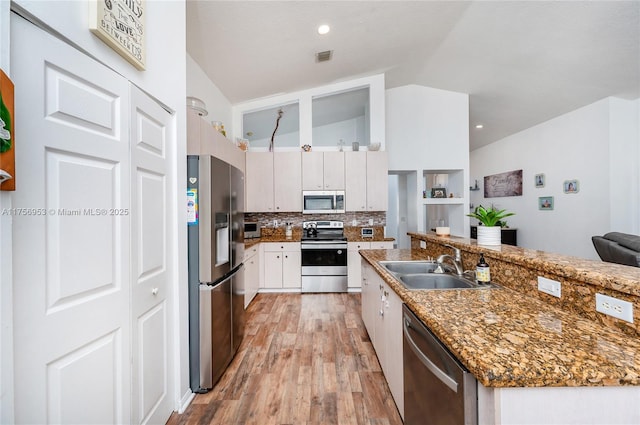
x: 356, y: 219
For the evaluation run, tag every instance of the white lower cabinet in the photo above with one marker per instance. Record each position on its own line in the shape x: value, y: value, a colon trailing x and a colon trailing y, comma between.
x: 354, y: 267
x: 382, y: 316
x: 251, y: 274
x: 282, y: 267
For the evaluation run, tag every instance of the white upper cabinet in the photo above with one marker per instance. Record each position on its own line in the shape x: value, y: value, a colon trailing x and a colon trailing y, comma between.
x: 355, y: 171
x: 377, y: 181
x: 313, y: 166
x: 323, y: 171
x: 287, y: 181
x: 366, y: 181
x: 259, y: 182
x: 273, y: 182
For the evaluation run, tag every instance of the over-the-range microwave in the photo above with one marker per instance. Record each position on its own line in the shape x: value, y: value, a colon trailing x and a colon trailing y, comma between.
x: 322, y: 201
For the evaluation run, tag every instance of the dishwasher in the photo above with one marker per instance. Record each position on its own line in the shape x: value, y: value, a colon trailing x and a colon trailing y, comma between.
x: 438, y: 390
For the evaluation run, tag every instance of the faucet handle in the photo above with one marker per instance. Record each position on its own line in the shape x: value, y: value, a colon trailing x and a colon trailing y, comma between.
x: 456, y: 251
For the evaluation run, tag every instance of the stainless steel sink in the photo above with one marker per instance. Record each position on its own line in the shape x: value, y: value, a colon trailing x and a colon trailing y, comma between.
x: 435, y: 281
x: 419, y: 275
x: 409, y: 267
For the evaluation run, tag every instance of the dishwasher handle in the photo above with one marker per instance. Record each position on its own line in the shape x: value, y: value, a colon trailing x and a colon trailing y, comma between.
x: 442, y: 376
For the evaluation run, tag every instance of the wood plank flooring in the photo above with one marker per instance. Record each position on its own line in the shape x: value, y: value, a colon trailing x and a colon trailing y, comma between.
x: 305, y: 359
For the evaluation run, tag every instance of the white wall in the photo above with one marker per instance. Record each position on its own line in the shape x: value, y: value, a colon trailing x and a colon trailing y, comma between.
x: 164, y: 79
x: 427, y: 129
x: 199, y: 85
x: 590, y: 144
x: 6, y: 293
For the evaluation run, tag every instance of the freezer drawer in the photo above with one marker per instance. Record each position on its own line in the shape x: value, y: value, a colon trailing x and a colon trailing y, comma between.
x: 215, y: 332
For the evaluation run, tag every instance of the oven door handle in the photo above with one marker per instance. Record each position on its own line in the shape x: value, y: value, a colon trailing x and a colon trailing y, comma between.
x: 323, y: 245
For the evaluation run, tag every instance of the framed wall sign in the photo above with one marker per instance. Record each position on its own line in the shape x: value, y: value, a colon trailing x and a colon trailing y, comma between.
x: 503, y: 184
x: 120, y: 24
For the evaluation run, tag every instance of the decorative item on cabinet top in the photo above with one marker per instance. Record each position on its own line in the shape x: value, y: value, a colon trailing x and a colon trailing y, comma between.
x: 197, y: 105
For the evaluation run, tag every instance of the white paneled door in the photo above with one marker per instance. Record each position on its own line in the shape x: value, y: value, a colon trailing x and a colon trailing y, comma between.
x: 151, y: 132
x: 91, y: 310
x: 71, y: 250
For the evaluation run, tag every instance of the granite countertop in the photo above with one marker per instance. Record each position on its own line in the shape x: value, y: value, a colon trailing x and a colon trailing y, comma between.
x: 507, y: 339
x: 608, y: 275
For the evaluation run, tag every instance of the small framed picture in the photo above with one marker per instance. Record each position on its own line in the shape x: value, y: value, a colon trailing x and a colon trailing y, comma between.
x: 438, y: 192
x: 539, y: 180
x: 571, y: 186
x: 545, y: 203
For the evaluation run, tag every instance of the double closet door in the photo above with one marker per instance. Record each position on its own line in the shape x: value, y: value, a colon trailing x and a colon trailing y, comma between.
x: 92, y: 295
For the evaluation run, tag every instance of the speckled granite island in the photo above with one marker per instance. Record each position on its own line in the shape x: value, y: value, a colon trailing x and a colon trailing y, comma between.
x: 539, y: 359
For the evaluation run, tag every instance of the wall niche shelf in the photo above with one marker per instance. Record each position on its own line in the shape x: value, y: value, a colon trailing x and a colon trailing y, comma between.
x: 443, y: 201
x: 445, y: 211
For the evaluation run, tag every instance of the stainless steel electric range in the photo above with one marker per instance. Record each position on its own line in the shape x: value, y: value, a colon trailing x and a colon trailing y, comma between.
x: 324, y: 256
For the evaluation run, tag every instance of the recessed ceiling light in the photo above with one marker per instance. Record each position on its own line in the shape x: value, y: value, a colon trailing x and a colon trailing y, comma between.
x: 479, y: 126
x: 323, y: 29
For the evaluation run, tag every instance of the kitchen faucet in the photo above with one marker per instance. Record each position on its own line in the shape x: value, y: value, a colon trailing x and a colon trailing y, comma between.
x: 456, y: 261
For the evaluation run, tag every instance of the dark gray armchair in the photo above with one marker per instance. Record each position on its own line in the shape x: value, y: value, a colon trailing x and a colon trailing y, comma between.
x: 616, y: 247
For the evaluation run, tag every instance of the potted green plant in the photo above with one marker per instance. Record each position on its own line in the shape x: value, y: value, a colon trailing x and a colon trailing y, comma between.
x: 491, y: 220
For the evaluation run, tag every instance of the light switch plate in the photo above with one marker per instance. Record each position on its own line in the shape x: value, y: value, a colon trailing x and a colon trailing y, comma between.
x: 549, y: 286
x: 614, y: 307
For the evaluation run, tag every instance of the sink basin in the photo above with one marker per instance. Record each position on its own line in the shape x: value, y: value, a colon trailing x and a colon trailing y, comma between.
x: 409, y: 267
x: 418, y: 275
x: 435, y: 281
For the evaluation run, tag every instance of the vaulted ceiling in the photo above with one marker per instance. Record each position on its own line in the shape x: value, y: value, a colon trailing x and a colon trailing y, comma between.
x: 521, y: 62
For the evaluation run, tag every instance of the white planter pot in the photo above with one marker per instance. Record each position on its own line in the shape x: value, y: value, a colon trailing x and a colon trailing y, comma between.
x: 489, y: 235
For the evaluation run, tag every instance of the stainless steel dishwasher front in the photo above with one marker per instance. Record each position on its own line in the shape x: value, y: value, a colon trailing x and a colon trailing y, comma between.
x: 438, y: 390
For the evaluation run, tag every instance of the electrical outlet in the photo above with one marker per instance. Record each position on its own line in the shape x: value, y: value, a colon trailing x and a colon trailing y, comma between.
x: 614, y: 307
x: 275, y: 223
x: 549, y: 286
x: 423, y: 244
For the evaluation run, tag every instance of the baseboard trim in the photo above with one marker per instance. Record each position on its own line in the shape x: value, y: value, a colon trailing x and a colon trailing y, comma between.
x: 186, y: 400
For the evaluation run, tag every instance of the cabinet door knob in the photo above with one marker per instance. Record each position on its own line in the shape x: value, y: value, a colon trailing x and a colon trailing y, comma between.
x: 154, y: 291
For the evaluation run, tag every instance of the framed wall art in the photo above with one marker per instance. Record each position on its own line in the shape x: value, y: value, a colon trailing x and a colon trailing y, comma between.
x: 571, y: 186
x: 503, y: 184
x: 539, y: 180
x: 120, y: 24
x: 545, y: 203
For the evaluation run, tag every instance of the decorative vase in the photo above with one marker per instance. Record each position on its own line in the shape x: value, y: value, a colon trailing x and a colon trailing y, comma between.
x: 489, y: 235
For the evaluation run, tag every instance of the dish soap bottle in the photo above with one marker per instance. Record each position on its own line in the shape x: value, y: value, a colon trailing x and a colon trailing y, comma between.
x: 483, y: 274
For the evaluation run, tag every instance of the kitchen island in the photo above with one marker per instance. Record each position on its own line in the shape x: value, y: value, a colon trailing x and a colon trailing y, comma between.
x: 536, y: 361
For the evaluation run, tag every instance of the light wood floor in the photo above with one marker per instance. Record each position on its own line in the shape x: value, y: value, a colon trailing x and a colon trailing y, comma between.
x: 305, y: 359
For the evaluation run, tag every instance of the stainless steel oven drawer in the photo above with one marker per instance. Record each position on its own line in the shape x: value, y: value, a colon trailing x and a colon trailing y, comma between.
x: 324, y: 283
x: 324, y: 270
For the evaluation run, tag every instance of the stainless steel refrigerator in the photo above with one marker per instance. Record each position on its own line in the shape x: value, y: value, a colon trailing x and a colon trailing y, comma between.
x: 215, y: 208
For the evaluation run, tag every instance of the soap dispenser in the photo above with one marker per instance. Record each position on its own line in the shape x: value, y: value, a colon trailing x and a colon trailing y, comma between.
x: 483, y: 274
